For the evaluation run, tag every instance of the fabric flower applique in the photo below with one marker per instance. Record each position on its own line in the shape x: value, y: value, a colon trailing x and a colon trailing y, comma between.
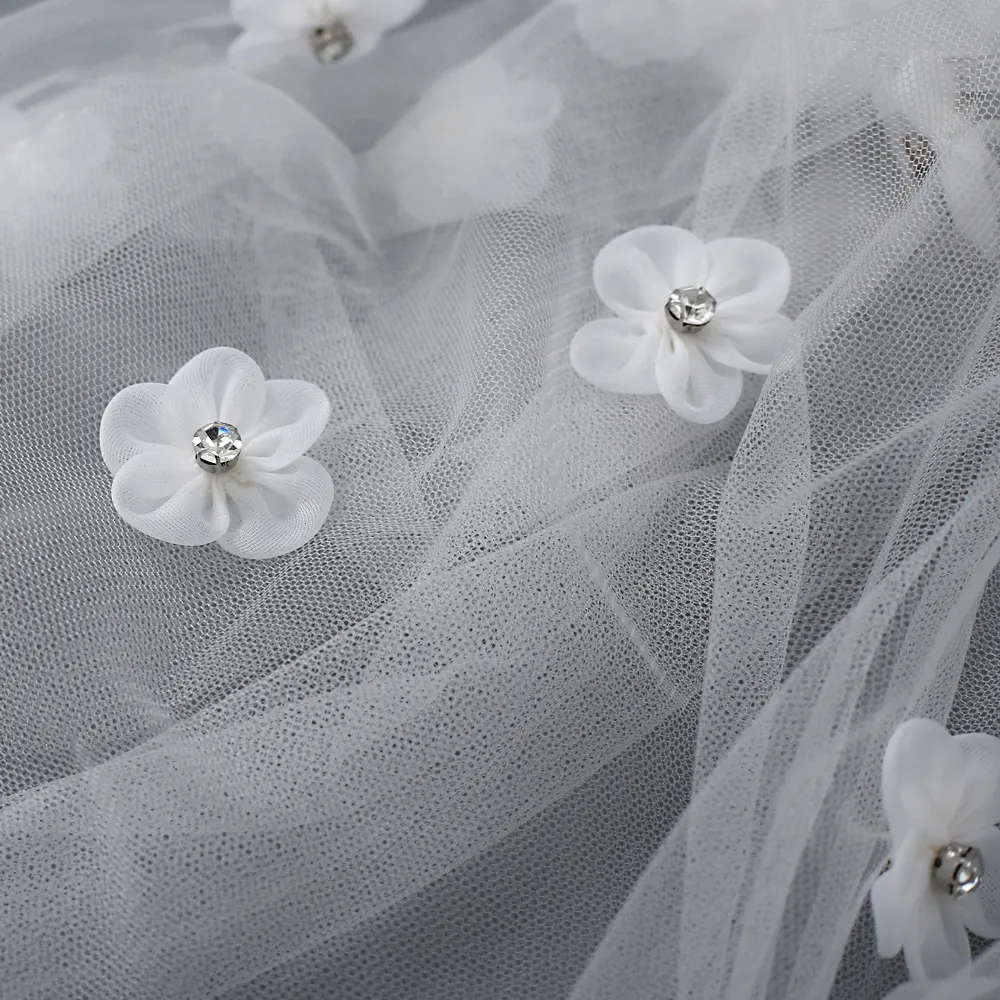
x: 638, y: 32
x: 925, y: 92
x: 941, y: 794
x: 332, y: 31
x: 217, y: 455
x: 48, y: 154
x: 691, y: 317
x: 475, y: 140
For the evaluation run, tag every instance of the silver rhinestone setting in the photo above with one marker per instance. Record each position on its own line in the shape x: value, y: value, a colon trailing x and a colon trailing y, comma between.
x: 217, y: 446
x: 689, y: 309
x: 331, y: 42
x: 958, y: 869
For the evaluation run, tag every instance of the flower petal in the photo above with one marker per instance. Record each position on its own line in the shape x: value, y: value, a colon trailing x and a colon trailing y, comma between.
x: 895, y: 892
x: 133, y: 422
x: 631, y: 34
x: 294, y: 415
x: 749, y: 278
x: 259, y: 48
x: 270, y: 15
x: 635, y: 273
x: 162, y: 493
x: 532, y: 106
x: 696, y: 387
x: 276, y: 512
x: 937, y: 946
x: 960, y: 987
x: 389, y: 13
x: 471, y: 85
x: 970, y: 180
x: 980, y: 911
x: 367, y: 34
x: 218, y: 384
x: 919, y: 786
x: 616, y: 355
x: 516, y: 170
x: 889, y: 915
x: 972, y: 912
x: 751, y: 347
x: 979, y: 807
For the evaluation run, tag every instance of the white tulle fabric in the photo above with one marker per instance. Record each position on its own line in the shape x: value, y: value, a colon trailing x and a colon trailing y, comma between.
x: 271, y: 502
x: 570, y: 697
x: 937, y: 789
x: 273, y: 30
x: 700, y: 375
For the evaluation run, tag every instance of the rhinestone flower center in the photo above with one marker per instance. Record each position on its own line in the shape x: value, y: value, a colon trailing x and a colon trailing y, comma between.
x: 958, y: 869
x: 217, y: 446
x: 331, y: 42
x: 689, y: 309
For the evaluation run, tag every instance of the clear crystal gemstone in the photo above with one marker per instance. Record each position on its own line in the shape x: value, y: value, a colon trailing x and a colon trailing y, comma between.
x: 217, y: 446
x: 689, y: 309
x: 331, y: 42
x: 958, y: 869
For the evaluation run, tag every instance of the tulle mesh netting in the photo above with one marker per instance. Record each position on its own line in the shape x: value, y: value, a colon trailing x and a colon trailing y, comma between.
x: 569, y: 698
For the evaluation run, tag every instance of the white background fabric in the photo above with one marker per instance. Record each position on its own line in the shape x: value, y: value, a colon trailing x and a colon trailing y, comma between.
x: 568, y: 698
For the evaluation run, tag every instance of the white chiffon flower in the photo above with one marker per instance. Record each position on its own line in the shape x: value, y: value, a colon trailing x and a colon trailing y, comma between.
x: 48, y: 154
x: 691, y: 318
x: 476, y: 140
x: 635, y: 32
x: 963, y: 986
x: 941, y: 794
x: 926, y: 92
x: 340, y: 31
x: 216, y: 455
